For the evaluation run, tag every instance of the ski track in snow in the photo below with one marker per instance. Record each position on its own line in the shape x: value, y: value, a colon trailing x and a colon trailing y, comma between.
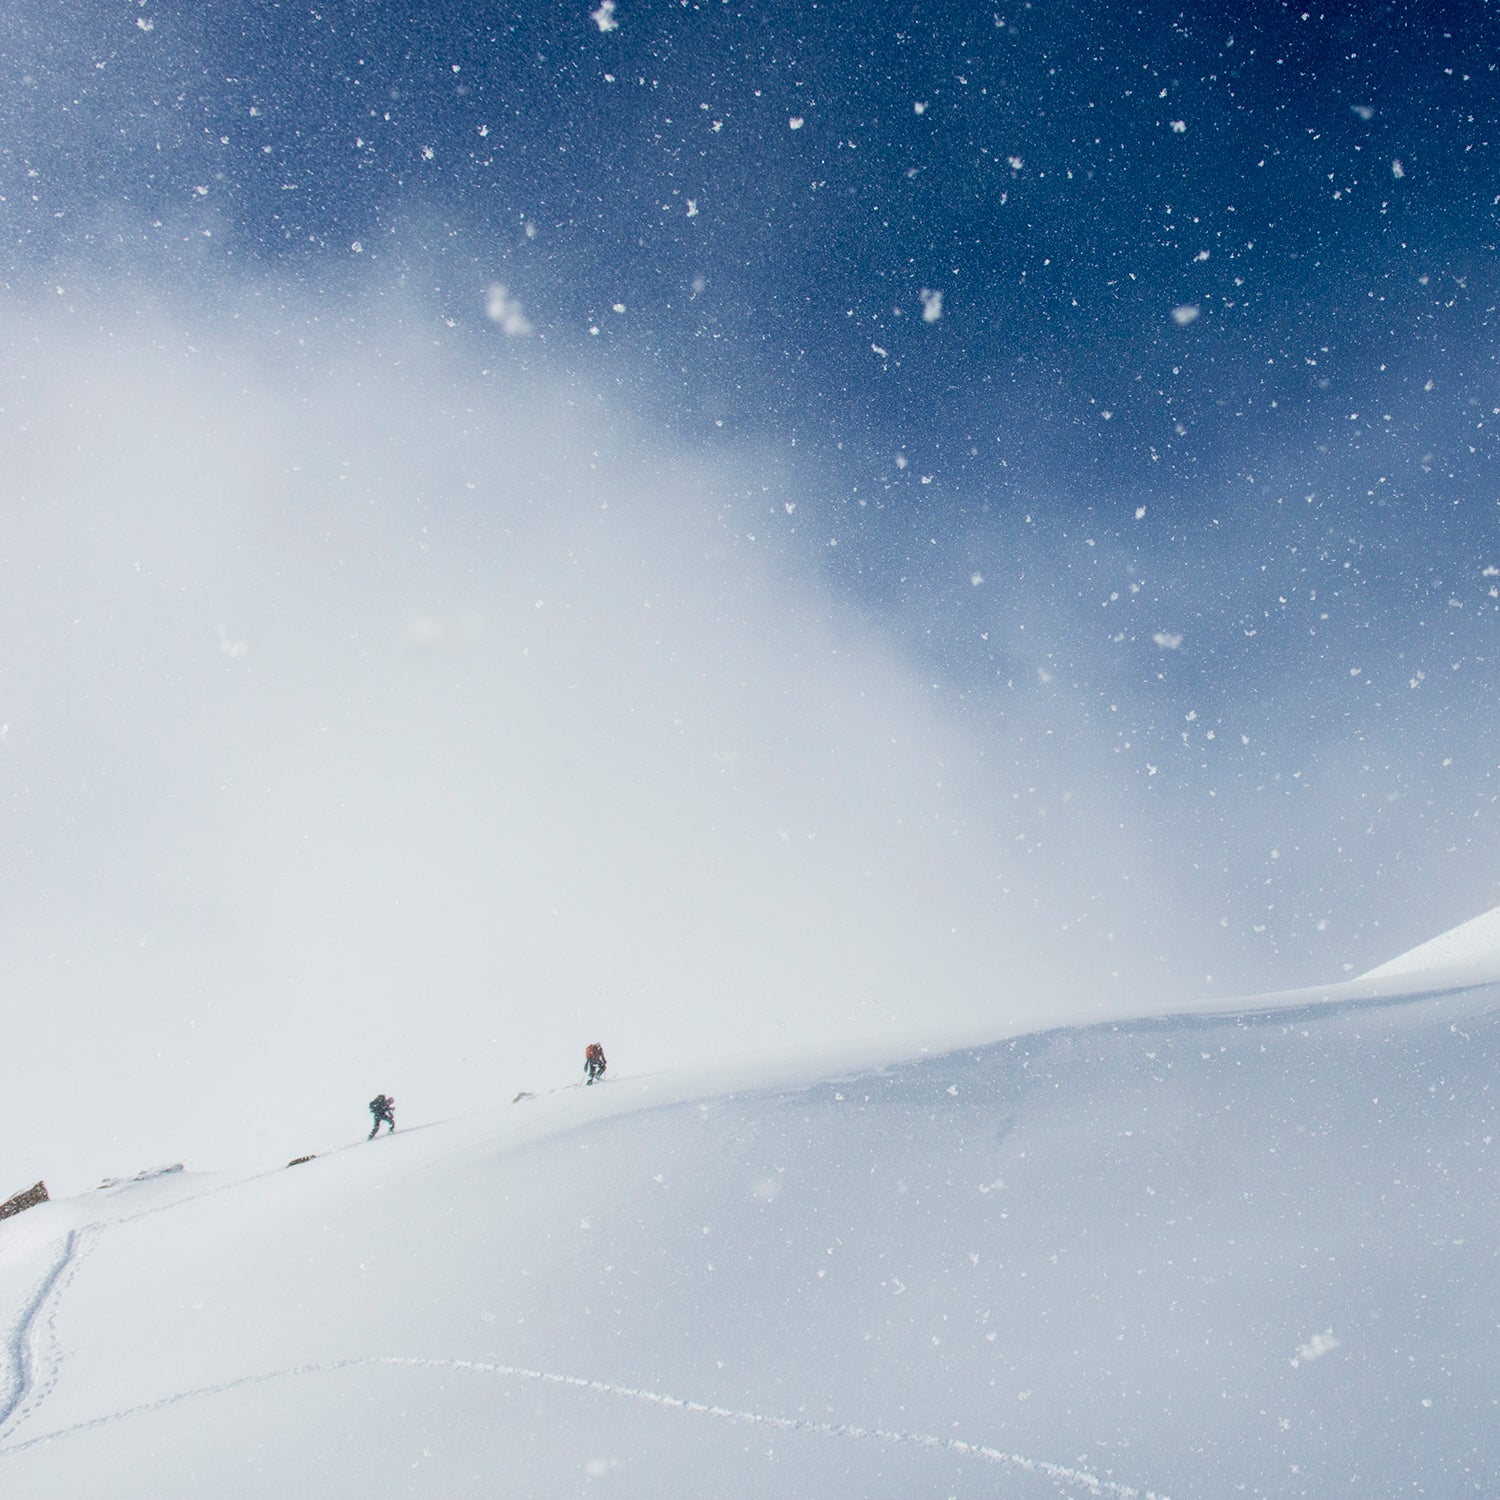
x: 23, y: 1347
x: 1078, y: 1478
x: 23, y: 1338
x: 1091, y: 1482
x: 31, y: 1346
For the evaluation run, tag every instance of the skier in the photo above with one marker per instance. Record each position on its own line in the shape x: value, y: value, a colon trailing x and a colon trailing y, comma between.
x: 593, y: 1062
x: 383, y: 1107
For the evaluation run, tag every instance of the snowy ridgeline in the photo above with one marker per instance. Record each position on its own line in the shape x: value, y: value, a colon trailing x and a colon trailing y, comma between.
x: 1195, y: 1257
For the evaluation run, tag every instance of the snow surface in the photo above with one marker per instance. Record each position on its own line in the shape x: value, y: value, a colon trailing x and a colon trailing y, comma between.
x: 1469, y: 946
x: 1201, y: 1255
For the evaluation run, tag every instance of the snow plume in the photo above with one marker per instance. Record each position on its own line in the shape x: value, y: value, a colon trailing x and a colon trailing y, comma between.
x: 397, y: 717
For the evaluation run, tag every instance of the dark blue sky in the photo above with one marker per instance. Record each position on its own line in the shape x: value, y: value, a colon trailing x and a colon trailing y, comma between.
x: 1068, y: 182
x: 1216, y: 353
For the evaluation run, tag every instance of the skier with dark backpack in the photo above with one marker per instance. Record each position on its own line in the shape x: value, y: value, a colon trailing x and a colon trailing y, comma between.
x: 383, y: 1107
x: 593, y: 1062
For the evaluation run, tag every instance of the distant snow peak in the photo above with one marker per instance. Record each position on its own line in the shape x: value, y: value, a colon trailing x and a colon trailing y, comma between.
x: 500, y: 307
x: 1472, y: 945
x: 604, y: 17
x: 932, y: 305
x: 1185, y: 313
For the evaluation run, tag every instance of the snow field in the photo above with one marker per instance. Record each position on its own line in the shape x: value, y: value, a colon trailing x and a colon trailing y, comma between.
x: 1187, y: 1257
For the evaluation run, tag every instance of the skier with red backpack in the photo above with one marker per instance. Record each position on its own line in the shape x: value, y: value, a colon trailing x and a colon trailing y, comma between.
x: 593, y: 1062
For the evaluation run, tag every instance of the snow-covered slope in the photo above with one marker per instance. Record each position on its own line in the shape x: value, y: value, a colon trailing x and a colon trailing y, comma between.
x: 1471, y: 946
x: 1465, y: 957
x: 1196, y: 1256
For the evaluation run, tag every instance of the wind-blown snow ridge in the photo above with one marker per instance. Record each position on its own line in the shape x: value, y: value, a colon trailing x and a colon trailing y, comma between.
x: 1472, y: 945
x: 986, y: 1454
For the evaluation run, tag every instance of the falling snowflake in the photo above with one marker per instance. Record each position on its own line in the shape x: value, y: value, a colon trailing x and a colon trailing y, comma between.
x: 604, y: 17
x: 1185, y: 314
x: 229, y: 646
x: 1315, y: 1348
x: 932, y: 305
x: 502, y: 308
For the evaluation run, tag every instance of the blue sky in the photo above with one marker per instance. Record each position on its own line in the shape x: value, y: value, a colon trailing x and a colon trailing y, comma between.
x: 1177, y: 507
x: 1064, y: 185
